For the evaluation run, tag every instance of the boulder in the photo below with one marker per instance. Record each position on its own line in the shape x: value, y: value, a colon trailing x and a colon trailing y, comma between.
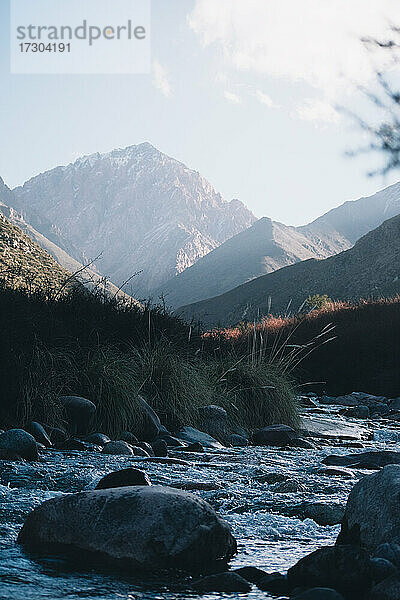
x: 275, y: 583
x: 394, y: 404
x: 172, y: 442
x: 149, y: 425
x: 19, y: 442
x: 238, y: 441
x: 373, y: 459
x: 275, y: 435
x: 372, y: 515
x: 381, y: 569
x: 75, y: 444
x: 145, y: 527
x: 39, y: 433
x: 252, y: 574
x: 388, y: 589
x: 356, y: 412
x: 213, y: 420
x: 127, y: 436
x: 56, y: 435
x: 138, y: 451
x: 118, y: 447
x: 80, y: 412
x: 390, y: 552
x: 123, y: 478
x: 9, y: 455
x: 100, y: 439
x: 342, y: 568
x: 302, y: 443
x: 321, y: 513
x: 146, y: 447
x: 160, y: 447
x: 222, y: 582
x: 192, y: 435
x: 319, y: 594
x: 195, y: 447
x: 347, y: 400
x: 379, y: 410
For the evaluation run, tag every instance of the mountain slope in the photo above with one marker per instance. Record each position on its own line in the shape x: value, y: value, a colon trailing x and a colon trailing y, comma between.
x: 369, y: 269
x: 142, y: 210
x: 262, y: 248
x: 267, y: 246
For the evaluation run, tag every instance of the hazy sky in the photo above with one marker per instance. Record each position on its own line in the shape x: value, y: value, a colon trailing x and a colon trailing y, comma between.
x: 243, y: 91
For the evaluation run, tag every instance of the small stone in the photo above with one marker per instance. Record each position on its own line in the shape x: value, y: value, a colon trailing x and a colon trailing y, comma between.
x: 125, y: 477
x: 222, y: 582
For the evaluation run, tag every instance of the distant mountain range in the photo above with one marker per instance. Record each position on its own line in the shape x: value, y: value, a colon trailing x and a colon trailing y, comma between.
x: 138, y: 208
x: 369, y: 269
x: 145, y: 212
x: 267, y: 246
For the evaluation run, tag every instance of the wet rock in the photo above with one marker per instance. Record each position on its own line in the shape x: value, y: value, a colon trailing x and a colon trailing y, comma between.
x: 19, y: 442
x: 213, y: 420
x: 306, y: 402
x: 394, y: 404
x: 337, y: 472
x: 388, y: 589
x: 343, y: 568
x: 222, y: 582
x: 130, y: 438
x: 192, y: 435
x: 381, y: 569
x: 39, y: 433
x: 389, y: 551
x: 238, y: 441
x: 146, y: 447
x: 332, y: 428
x: 321, y: 513
x: 271, y: 478
x: 372, y: 515
x: 275, y: 435
x: 275, y: 583
x: 252, y: 574
x: 347, y: 400
x: 125, y: 477
x: 118, y: 447
x: 75, y: 444
x: 374, y: 459
x: 137, y: 450
x: 160, y: 448
x: 56, y: 434
x: 302, y: 443
x: 148, y: 527
x: 319, y: 594
x: 357, y: 412
x: 80, y: 412
x: 379, y: 410
x: 172, y: 442
x: 99, y: 439
x: 195, y: 447
x: 167, y: 460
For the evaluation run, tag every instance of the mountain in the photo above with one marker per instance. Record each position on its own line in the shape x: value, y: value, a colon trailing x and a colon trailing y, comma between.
x: 138, y: 208
x: 267, y: 246
x: 371, y: 268
x: 87, y: 276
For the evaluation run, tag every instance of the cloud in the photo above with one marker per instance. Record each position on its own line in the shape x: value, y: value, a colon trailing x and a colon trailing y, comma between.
x: 318, y: 111
x: 232, y: 98
x: 160, y: 79
x: 312, y: 41
x: 263, y: 98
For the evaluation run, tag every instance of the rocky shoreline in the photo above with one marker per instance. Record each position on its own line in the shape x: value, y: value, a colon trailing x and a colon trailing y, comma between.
x: 178, y: 529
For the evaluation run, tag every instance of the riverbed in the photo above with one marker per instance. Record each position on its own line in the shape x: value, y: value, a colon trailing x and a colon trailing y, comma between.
x: 253, y: 502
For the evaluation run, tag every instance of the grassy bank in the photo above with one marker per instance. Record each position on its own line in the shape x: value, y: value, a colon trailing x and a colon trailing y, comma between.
x: 363, y: 353
x: 109, y: 351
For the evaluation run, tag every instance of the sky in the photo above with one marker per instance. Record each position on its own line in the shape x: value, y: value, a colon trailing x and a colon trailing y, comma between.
x: 244, y: 91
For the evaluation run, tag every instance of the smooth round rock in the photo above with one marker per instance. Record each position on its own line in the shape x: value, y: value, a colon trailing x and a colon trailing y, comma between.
x: 145, y: 527
x: 19, y: 442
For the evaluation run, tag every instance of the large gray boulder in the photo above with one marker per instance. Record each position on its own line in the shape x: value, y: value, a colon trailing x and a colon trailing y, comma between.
x: 147, y: 527
x: 80, y: 412
x: 372, y: 515
x: 19, y: 442
x: 192, y: 436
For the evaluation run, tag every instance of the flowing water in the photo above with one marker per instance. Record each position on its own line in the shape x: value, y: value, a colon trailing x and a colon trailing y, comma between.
x: 256, y: 511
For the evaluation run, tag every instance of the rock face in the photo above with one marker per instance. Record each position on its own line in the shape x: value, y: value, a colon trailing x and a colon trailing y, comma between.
x: 275, y: 435
x: 148, y: 527
x: 19, y: 442
x: 141, y: 209
x: 372, y: 515
x: 80, y: 412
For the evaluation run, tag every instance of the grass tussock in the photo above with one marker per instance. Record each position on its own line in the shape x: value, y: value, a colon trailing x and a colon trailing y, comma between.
x: 363, y: 353
x: 110, y: 350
